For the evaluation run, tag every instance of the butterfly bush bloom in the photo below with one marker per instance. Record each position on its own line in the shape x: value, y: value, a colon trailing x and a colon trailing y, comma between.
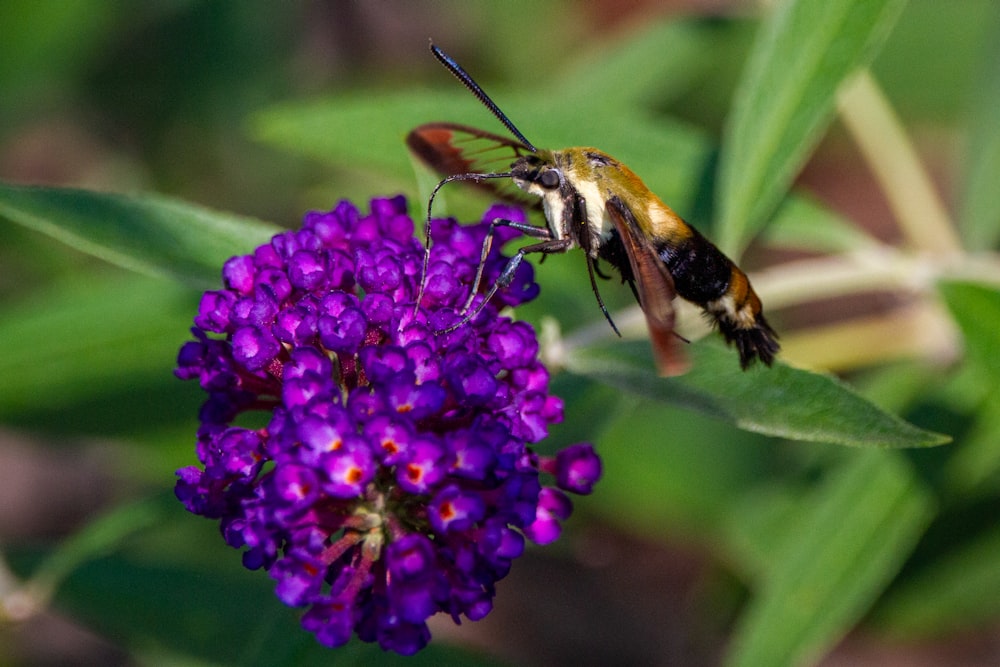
x: 394, y: 478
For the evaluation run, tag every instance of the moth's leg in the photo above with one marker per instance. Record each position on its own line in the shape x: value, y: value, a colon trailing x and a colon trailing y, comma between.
x: 526, y: 229
x: 506, y: 276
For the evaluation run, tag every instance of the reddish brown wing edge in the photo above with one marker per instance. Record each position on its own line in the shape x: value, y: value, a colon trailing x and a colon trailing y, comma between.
x: 452, y: 148
x: 655, y: 288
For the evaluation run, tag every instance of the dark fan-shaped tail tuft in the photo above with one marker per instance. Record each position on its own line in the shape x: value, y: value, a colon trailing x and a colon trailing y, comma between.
x: 758, y: 342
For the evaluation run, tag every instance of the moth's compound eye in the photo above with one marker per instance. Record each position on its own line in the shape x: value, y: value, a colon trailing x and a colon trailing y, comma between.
x: 549, y: 179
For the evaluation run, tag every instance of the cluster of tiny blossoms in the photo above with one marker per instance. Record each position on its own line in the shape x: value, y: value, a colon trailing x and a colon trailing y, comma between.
x: 394, y: 478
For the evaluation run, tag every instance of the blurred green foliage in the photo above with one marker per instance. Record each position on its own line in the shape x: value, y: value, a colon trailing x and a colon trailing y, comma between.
x: 267, y: 110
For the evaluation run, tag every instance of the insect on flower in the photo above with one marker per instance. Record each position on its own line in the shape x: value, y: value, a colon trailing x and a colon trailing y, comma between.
x: 592, y: 201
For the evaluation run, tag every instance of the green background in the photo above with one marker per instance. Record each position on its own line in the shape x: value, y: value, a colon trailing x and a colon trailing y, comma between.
x: 705, y: 543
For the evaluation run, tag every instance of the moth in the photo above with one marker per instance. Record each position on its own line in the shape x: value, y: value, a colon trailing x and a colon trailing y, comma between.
x: 594, y: 202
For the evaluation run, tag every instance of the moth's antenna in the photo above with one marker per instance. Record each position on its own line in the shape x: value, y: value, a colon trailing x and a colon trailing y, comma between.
x: 470, y: 83
x: 427, y: 225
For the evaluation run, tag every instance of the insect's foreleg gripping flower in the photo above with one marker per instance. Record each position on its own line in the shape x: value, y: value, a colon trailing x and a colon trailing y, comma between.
x: 394, y: 478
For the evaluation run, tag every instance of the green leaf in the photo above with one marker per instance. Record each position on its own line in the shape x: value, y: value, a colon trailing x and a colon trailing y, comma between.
x: 49, y: 47
x: 975, y: 466
x: 838, y: 555
x: 980, y: 204
x: 977, y: 310
x: 785, y: 99
x: 684, y: 469
x: 657, y: 62
x: 172, y: 613
x: 779, y: 401
x: 367, y: 129
x: 898, y: 386
x: 925, y: 87
x: 951, y: 593
x: 102, y: 535
x: 145, y: 233
x: 756, y: 520
x: 198, y: 613
x: 803, y: 224
x: 95, y: 334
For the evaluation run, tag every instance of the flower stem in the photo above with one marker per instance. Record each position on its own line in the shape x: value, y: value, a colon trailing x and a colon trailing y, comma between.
x: 892, y: 157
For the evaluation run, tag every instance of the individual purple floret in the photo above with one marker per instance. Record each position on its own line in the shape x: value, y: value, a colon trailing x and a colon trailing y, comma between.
x: 394, y: 479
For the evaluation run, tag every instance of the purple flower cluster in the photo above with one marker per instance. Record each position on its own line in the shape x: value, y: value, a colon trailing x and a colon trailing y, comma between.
x: 393, y: 478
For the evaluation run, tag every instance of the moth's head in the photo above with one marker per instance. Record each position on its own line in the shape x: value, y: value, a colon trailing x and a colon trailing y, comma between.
x: 537, y: 174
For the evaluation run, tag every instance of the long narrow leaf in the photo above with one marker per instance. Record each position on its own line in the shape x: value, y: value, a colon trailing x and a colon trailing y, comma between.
x: 977, y: 310
x: 660, y: 59
x: 102, y: 535
x: 780, y: 401
x: 838, y: 558
x: 957, y: 591
x: 95, y: 334
x: 804, y: 224
x: 145, y: 233
x: 785, y: 99
x: 980, y: 206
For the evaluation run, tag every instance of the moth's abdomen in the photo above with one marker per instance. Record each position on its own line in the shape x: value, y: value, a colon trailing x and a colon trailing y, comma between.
x: 706, y: 277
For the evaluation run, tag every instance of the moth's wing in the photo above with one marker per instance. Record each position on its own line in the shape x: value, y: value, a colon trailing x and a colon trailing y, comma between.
x: 655, y: 288
x: 450, y: 148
